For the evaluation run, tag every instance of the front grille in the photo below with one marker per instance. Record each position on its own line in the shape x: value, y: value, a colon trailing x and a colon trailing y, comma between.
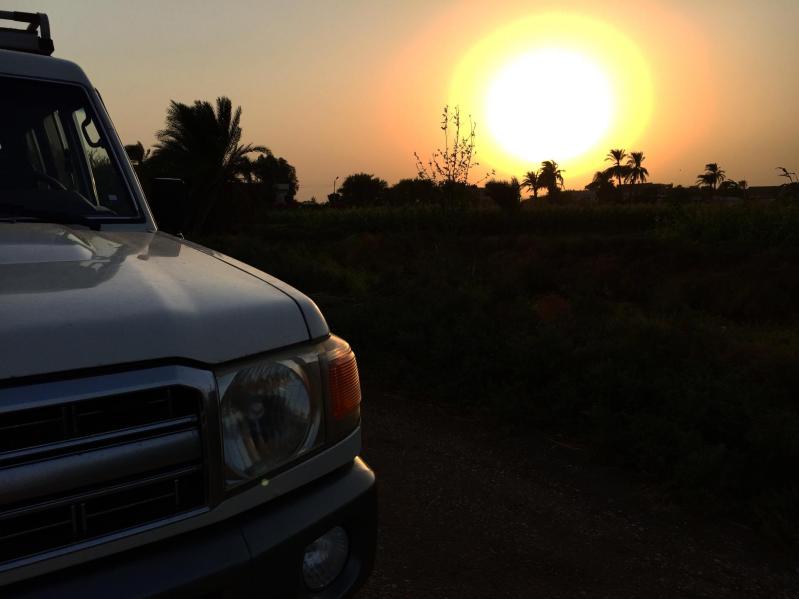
x: 51, y: 424
x: 88, y: 468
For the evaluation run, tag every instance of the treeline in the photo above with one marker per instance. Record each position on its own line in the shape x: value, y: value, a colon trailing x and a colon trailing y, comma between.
x: 619, y: 183
x: 230, y: 184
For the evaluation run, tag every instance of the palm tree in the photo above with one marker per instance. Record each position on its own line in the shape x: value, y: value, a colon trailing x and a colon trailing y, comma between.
x: 203, y: 146
x: 712, y: 176
x: 636, y: 172
x: 616, y: 156
x: 551, y: 176
x: 532, y: 180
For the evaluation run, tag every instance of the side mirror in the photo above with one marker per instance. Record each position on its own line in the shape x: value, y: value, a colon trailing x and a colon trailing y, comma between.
x: 168, y: 200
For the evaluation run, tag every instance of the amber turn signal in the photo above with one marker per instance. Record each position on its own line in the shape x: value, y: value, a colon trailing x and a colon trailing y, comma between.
x: 344, y: 384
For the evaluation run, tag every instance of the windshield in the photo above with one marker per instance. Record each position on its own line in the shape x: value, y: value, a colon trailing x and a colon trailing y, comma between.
x: 55, y: 162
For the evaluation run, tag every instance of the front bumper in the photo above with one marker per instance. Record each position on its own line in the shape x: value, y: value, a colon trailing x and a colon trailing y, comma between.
x: 256, y: 553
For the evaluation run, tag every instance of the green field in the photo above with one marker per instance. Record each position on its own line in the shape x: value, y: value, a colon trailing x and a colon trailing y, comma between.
x: 663, y: 338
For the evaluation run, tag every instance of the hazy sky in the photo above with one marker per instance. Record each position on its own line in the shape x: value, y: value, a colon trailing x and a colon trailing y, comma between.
x: 350, y: 86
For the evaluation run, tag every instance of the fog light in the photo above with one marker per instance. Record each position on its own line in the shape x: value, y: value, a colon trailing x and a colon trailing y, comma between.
x: 325, y: 558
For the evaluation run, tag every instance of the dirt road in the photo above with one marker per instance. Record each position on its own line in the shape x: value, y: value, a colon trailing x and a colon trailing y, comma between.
x: 470, y: 512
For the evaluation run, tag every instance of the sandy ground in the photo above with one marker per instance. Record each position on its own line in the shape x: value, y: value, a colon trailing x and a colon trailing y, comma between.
x: 470, y: 510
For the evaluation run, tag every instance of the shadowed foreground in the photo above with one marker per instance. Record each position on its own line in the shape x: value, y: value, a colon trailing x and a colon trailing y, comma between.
x: 665, y: 337
x: 470, y: 511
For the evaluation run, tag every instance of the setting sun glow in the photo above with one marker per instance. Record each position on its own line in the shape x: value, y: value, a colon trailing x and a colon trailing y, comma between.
x: 532, y: 125
x: 555, y: 86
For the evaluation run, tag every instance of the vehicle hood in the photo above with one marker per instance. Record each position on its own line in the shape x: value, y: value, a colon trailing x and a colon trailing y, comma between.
x: 74, y: 299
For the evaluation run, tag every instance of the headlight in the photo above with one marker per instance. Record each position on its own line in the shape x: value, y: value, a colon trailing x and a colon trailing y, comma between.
x: 269, y: 417
x: 277, y: 409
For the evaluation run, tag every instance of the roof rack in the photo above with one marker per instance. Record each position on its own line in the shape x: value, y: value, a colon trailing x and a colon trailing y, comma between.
x: 28, y: 39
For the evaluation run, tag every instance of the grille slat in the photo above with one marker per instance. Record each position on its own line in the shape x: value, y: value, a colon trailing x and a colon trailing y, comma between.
x: 33, y: 424
x: 34, y: 530
x: 132, y: 505
x: 125, y: 435
x: 89, y: 437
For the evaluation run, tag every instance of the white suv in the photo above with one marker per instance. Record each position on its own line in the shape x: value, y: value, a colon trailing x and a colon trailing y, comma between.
x: 171, y: 420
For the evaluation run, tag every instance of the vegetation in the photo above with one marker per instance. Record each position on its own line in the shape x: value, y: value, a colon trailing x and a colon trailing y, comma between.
x: 636, y: 171
x: 202, y: 143
x: 532, y: 182
x: 663, y: 337
x: 268, y: 173
x: 407, y: 192
x: 137, y: 153
x: 360, y: 190
x: 602, y: 185
x: 551, y: 177
x: 712, y: 176
x: 618, y: 169
x: 505, y: 194
x: 452, y: 164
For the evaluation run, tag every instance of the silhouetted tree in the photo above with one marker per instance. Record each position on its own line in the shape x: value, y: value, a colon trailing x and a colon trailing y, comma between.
x: 712, y: 176
x: 636, y: 172
x: 413, y: 191
x: 730, y: 187
x: 201, y: 144
x: 453, y: 162
x: 619, y: 170
x: 743, y: 185
x: 551, y: 177
x: 506, y: 194
x: 449, y: 167
x: 136, y: 153
x: 602, y: 184
x: 140, y: 160
x: 532, y: 181
x: 268, y: 171
x: 360, y: 189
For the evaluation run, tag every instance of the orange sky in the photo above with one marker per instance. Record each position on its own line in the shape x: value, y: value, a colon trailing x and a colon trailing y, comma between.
x: 343, y: 87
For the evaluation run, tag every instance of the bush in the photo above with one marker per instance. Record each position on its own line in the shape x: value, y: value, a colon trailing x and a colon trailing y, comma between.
x: 505, y: 194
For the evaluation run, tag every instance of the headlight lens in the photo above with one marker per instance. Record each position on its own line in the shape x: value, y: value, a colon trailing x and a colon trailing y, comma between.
x: 269, y: 417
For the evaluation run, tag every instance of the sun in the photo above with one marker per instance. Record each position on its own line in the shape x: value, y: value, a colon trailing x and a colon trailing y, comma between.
x: 556, y: 86
x: 535, y: 124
